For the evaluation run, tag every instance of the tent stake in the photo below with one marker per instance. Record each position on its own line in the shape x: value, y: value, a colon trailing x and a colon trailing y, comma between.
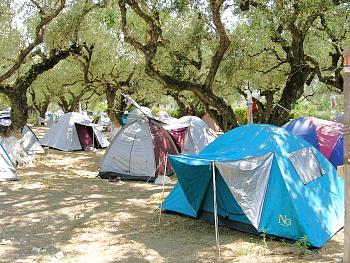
x: 161, y: 202
x: 215, y: 210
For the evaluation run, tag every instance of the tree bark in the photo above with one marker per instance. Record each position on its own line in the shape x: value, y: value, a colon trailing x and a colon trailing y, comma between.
x: 111, y: 96
x: 293, y: 90
x: 69, y: 106
x: 19, y: 110
x: 298, y: 76
x: 40, y: 106
x: 42, y: 109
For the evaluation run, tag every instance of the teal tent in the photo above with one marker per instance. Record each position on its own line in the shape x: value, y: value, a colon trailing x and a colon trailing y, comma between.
x: 267, y: 181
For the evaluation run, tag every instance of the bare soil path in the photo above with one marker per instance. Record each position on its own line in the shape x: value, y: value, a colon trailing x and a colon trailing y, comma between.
x: 60, y: 212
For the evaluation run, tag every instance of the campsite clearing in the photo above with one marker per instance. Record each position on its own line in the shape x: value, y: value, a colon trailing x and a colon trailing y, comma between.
x: 60, y: 212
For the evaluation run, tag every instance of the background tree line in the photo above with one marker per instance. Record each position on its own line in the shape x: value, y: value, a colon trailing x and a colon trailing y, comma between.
x: 207, y: 55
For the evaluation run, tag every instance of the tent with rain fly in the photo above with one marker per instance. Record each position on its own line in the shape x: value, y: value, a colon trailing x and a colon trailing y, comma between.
x: 138, y: 151
x: 191, y: 134
x: 74, y: 131
x: 267, y: 180
x: 31, y: 143
x: 7, y: 171
x: 325, y: 136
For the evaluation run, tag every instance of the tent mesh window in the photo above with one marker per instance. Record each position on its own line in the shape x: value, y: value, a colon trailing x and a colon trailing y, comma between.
x: 306, y: 165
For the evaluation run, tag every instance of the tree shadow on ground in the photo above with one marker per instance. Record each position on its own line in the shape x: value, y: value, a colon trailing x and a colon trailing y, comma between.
x: 60, y: 206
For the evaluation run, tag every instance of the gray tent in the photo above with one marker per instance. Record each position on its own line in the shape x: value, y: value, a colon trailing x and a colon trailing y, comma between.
x: 138, y: 152
x: 72, y: 132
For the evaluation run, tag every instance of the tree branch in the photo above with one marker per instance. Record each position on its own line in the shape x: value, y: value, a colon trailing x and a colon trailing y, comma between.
x: 35, y: 70
x: 127, y: 37
x: 221, y: 110
x: 38, y: 38
x: 274, y: 67
x: 224, y: 42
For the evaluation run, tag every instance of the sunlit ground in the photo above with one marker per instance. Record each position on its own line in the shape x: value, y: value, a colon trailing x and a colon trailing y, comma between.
x: 60, y: 212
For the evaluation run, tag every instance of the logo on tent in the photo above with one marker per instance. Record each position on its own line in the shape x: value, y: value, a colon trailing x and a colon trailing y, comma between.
x: 284, y: 221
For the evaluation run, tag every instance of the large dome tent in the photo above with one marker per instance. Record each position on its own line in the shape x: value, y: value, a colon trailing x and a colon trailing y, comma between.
x: 139, y: 149
x: 267, y: 180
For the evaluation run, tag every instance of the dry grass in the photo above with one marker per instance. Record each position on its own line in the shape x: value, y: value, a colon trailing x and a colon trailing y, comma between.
x: 60, y: 207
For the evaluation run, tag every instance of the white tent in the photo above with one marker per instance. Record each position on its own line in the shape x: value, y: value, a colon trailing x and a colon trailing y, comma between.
x: 198, y: 134
x: 7, y: 171
x: 138, y: 152
x: 74, y: 131
x: 211, y: 123
x: 31, y: 143
x: 104, y: 120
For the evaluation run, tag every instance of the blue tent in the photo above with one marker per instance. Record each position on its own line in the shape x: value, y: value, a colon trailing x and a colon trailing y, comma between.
x: 267, y: 181
x: 325, y: 136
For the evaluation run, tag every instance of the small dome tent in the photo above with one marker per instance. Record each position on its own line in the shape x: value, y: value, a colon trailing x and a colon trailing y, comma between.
x: 138, y: 151
x: 211, y: 122
x: 191, y: 134
x: 31, y: 143
x: 325, y: 136
x: 7, y: 171
x: 267, y: 180
x: 74, y: 131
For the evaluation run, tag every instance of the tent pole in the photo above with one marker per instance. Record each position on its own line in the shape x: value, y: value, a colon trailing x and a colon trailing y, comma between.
x: 161, y: 202
x: 215, y: 210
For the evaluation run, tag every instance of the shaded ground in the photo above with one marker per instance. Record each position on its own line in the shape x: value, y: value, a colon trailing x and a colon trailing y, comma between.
x: 60, y: 212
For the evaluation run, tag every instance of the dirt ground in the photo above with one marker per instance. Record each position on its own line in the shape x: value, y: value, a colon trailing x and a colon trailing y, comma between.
x: 60, y: 212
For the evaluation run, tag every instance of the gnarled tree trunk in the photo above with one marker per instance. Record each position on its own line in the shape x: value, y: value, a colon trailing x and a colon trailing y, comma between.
x: 216, y: 106
x: 111, y: 96
x: 18, y: 92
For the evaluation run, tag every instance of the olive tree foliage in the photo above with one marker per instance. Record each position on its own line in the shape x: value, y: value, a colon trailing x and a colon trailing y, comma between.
x: 62, y: 85
x: 317, y: 101
x: 115, y: 66
x: 28, y: 57
x: 183, y: 48
x: 287, y: 47
x: 105, y: 68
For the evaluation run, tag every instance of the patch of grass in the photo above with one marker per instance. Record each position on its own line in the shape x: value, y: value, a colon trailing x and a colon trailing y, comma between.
x: 47, y: 180
x: 284, y: 243
x: 263, y: 237
x: 79, y: 220
x: 303, y: 245
x: 243, y: 251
